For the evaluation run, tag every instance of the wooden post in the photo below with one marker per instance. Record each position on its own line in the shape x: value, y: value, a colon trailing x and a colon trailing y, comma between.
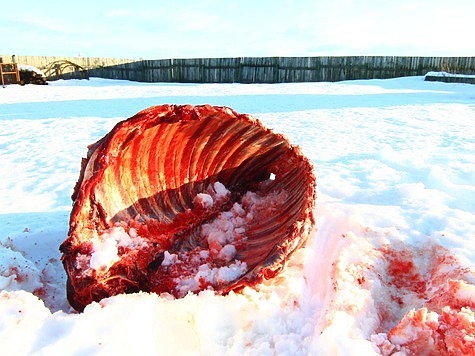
x: 1, y: 75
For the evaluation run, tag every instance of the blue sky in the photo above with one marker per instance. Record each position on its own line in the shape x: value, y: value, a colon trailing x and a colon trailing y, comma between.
x: 211, y: 28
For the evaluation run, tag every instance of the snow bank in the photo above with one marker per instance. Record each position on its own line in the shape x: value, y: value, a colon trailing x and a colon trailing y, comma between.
x: 389, y: 269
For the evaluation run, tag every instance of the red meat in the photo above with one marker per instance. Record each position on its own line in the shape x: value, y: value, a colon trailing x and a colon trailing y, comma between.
x: 148, y: 187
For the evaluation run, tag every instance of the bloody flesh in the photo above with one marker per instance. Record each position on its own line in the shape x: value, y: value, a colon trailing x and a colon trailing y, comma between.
x: 145, y: 176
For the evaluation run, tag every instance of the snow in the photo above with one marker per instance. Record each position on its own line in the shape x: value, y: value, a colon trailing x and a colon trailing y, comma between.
x: 28, y: 68
x: 104, y: 254
x: 392, y: 259
x: 204, y: 200
x: 213, y: 263
x: 446, y: 74
x: 218, y: 192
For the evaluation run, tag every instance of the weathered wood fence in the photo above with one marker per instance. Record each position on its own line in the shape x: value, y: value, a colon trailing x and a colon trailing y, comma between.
x: 282, y: 69
x: 263, y: 69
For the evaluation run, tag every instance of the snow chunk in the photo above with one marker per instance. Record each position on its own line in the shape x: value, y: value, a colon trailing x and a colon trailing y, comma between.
x: 204, y: 200
x: 105, y: 254
x: 213, y: 276
x: 169, y: 259
x: 106, y: 247
x: 215, y: 192
x: 220, y: 189
x: 227, y: 253
x: 230, y: 273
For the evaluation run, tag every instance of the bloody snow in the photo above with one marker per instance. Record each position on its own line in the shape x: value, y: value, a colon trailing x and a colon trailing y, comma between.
x: 388, y: 268
x: 206, y: 266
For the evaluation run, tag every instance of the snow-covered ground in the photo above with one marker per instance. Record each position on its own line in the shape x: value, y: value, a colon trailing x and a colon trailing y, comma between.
x: 395, y: 161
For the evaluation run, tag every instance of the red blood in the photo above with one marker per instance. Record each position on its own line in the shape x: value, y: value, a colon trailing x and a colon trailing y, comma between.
x: 402, y: 271
x: 445, y: 325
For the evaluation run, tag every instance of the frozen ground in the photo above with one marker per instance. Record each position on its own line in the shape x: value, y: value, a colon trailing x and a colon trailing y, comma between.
x: 395, y: 161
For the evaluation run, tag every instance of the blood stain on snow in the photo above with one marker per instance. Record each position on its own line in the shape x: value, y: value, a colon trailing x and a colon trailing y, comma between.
x: 441, y: 319
x: 403, y: 273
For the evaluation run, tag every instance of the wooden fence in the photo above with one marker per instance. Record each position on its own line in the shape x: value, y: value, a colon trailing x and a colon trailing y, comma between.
x: 261, y: 69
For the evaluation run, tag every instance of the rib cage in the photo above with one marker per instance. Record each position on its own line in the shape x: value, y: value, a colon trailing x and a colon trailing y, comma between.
x: 151, y: 166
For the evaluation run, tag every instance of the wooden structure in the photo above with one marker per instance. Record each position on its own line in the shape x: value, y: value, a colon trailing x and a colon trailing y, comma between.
x: 64, y: 69
x: 9, y: 70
